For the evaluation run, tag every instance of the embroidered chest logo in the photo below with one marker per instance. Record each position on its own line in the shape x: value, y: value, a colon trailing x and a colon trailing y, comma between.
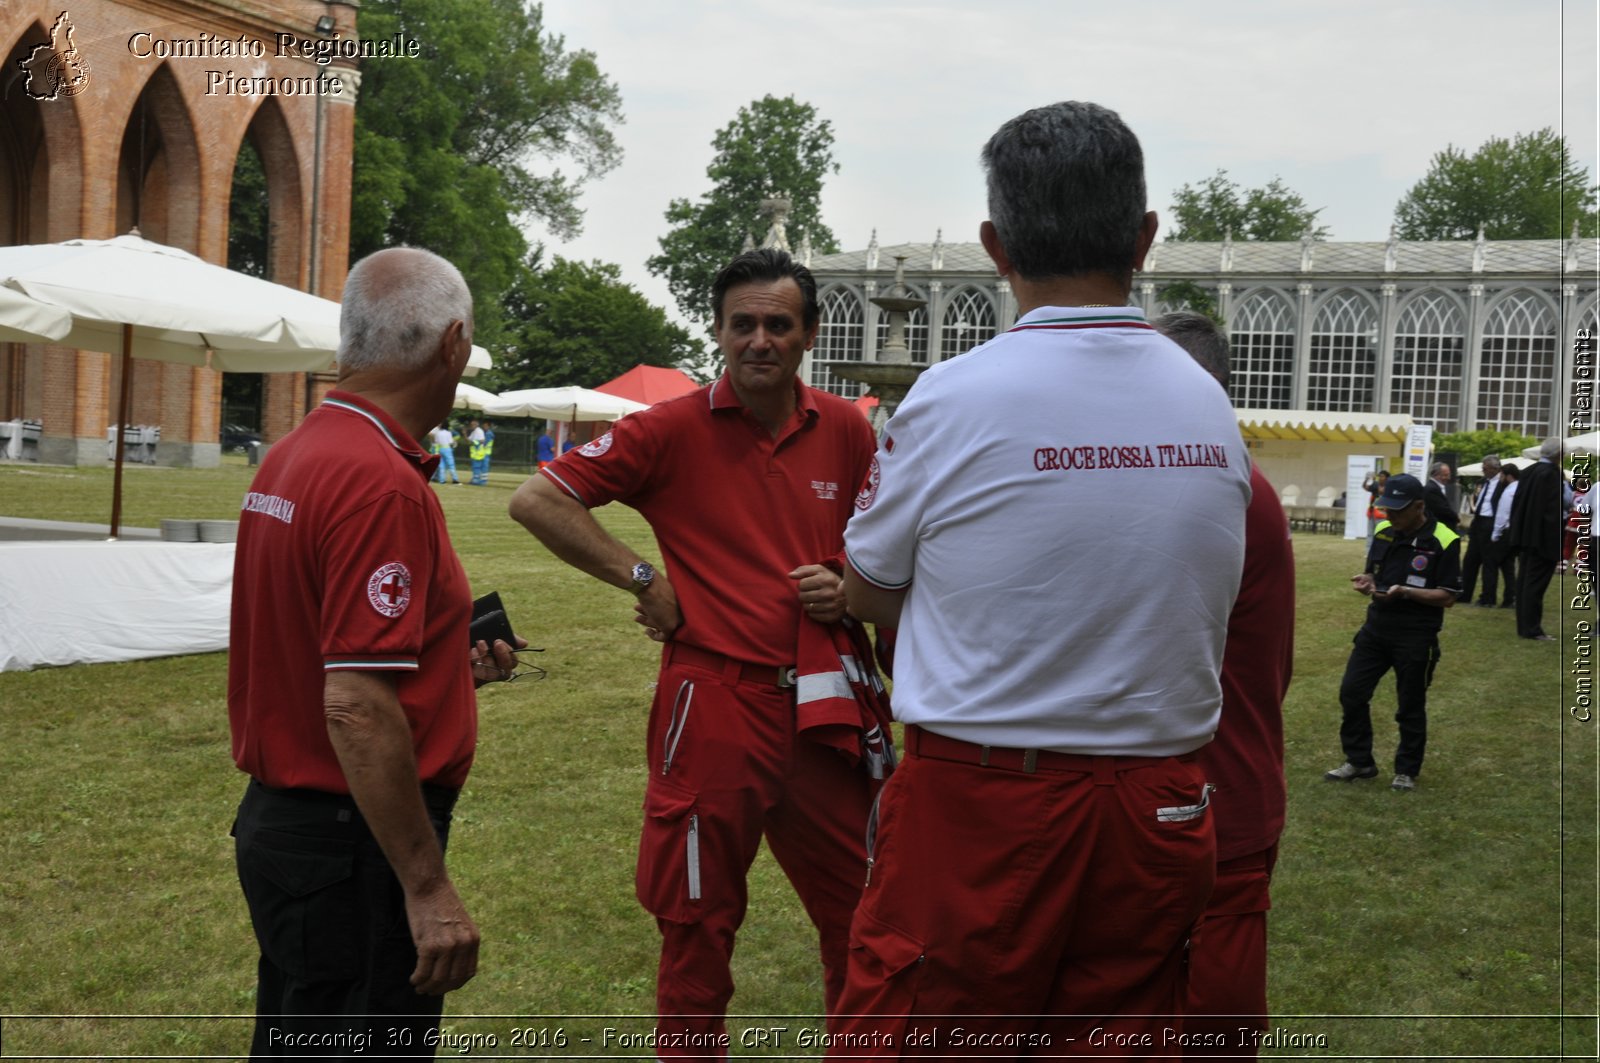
x: 869, y: 490
x: 825, y: 489
x: 389, y: 589
x: 1420, y: 562
x: 597, y: 447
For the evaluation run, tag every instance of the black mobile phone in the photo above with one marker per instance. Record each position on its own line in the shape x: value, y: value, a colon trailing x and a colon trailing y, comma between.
x: 489, y: 622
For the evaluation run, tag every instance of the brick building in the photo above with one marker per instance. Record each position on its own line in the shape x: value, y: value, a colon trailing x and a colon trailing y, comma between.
x: 132, y: 114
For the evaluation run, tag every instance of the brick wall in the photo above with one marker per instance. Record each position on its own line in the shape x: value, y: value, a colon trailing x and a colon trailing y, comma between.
x: 155, y: 140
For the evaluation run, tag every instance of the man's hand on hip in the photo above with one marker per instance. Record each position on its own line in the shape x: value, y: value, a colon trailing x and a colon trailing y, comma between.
x: 657, y: 610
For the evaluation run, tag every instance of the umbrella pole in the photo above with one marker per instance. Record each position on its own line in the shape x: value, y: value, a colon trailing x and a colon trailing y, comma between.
x: 122, y: 421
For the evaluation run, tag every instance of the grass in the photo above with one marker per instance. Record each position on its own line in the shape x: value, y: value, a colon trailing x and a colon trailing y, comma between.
x: 1455, y: 921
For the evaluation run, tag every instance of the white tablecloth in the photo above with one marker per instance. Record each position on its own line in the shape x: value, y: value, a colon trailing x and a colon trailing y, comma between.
x: 90, y: 602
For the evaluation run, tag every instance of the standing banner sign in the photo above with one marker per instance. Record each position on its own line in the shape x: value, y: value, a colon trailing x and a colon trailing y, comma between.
x: 1419, y: 450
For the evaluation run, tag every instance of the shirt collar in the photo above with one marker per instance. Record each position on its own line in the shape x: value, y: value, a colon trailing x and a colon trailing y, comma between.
x: 348, y: 402
x: 1081, y: 317
x: 723, y: 397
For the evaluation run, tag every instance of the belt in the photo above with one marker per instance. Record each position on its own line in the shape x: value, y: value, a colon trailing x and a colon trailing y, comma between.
x: 921, y: 743
x: 781, y: 676
x: 435, y: 798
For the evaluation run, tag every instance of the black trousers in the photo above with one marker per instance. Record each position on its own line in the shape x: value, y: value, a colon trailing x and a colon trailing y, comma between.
x: 1532, y: 582
x: 1504, y: 557
x: 1480, y: 554
x: 330, y: 918
x: 1413, y: 657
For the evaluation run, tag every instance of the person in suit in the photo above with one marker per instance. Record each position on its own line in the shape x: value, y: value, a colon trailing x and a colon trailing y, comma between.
x: 1536, y: 516
x: 1480, y: 554
x: 1438, y: 496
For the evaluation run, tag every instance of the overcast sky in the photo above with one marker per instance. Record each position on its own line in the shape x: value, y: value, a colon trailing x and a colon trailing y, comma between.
x: 1347, y: 101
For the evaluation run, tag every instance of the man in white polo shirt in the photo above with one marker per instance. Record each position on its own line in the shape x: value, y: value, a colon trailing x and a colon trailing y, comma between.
x: 1056, y: 523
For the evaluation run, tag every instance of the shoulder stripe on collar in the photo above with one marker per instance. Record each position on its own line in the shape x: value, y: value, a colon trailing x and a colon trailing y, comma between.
x: 1065, y: 323
x: 348, y: 407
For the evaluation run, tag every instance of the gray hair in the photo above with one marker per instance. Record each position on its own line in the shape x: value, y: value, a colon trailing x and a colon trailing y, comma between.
x: 1066, y: 191
x: 1200, y: 336
x: 1491, y: 461
x: 1551, y: 448
x: 397, y: 304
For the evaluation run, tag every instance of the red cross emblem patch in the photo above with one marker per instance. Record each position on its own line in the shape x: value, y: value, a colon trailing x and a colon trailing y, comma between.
x: 389, y: 589
x: 869, y: 490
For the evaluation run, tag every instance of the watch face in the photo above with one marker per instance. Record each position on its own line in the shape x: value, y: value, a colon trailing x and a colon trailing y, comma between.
x: 643, y: 573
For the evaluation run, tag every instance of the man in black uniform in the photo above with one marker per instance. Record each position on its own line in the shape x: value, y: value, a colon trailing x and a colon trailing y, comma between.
x: 1413, y: 574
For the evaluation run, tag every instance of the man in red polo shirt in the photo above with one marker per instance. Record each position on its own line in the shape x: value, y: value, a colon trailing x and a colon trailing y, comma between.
x: 748, y: 484
x: 350, y: 686
x: 1227, y: 991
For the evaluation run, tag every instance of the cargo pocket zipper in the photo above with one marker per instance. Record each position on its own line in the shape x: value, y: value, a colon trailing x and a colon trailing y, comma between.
x: 694, y: 856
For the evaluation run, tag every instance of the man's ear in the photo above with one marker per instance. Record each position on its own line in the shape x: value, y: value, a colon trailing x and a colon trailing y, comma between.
x: 452, y: 344
x: 991, y: 244
x: 1147, y: 236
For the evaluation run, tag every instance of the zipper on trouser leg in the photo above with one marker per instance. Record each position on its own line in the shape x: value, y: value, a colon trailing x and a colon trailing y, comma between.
x: 694, y: 856
x: 676, y: 723
x: 872, y: 835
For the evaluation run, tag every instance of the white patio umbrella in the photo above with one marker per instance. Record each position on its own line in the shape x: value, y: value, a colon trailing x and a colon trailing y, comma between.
x: 1587, y: 443
x: 142, y: 299
x: 472, y: 398
x: 25, y: 320
x: 562, y: 404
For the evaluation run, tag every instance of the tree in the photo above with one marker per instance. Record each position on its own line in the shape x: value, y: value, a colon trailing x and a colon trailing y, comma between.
x: 448, y: 147
x: 578, y: 323
x: 1527, y: 188
x: 1218, y: 206
x: 773, y: 145
x: 1187, y: 295
x: 1471, y: 447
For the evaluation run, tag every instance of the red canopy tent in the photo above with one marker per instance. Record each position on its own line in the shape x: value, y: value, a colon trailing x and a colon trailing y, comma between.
x: 649, y: 383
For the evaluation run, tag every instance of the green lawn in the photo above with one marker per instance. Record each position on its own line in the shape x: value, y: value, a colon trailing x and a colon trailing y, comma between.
x: 1458, y: 920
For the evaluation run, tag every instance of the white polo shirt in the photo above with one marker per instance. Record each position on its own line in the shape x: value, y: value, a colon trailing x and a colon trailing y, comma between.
x: 1065, y: 506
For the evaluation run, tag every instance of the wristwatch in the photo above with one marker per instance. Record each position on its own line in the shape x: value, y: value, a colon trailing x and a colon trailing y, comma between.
x: 644, y: 574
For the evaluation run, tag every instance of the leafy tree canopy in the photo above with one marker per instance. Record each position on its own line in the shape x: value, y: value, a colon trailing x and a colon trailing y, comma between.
x: 773, y: 145
x: 578, y: 323
x: 1187, y: 295
x: 1471, y: 447
x: 451, y: 150
x: 1526, y: 188
x: 1217, y: 206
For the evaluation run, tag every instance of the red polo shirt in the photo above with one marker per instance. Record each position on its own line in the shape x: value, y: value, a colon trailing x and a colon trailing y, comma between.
x: 734, y: 509
x: 344, y: 562
x: 1245, y: 760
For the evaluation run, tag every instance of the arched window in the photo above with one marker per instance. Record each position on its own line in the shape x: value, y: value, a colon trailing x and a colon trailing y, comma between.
x: 839, y: 339
x: 916, y: 329
x: 1344, y: 355
x: 1426, y: 382
x: 968, y: 322
x: 1262, y: 342
x: 1516, y: 372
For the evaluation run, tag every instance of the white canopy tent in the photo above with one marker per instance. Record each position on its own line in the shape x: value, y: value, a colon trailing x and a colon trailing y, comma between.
x: 472, y: 398
x: 562, y: 404
x: 1587, y: 443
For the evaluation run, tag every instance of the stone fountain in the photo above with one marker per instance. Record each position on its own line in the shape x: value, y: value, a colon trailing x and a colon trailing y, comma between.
x: 893, y: 373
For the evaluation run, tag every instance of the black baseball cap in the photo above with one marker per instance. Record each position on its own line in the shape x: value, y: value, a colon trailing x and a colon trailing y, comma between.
x: 1400, y: 491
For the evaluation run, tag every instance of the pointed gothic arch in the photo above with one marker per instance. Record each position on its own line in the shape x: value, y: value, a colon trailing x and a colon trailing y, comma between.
x: 1261, y: 335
